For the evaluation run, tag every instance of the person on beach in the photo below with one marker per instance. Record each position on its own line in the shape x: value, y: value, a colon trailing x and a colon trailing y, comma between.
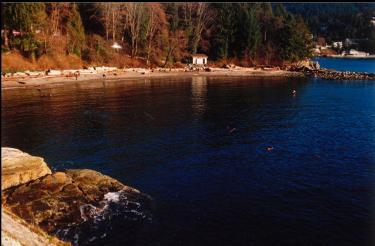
x: 76, y: 74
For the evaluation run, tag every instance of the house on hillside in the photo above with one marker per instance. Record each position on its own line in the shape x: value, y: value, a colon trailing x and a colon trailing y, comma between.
x: 356, y: 53
x: 198, y: 59
x: 337, y: 45
x: 350, y: 42
x: 116, y: 46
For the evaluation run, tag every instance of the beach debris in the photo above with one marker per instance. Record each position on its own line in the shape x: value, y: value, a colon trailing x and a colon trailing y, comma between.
x: 53, y: 72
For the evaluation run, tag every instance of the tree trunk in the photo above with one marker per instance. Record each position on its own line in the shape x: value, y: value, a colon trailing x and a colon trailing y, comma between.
x: 113, y: 26
x: 168, y: 55
x: 133, y: 47
x: 148, y: 52
x: 136, y: 48
x: 6, y: 42
x: 265, y: 36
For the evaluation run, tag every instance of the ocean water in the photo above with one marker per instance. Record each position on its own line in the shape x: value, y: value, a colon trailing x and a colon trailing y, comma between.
x: 347, y: 64
x: 228, y: 161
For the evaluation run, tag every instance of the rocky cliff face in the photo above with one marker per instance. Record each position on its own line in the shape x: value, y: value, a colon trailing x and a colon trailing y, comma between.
x: 15, y: 232
x: 18, y: 167
x: 77, y: 206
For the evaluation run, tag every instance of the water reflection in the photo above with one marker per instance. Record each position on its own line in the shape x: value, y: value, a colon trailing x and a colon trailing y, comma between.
x: 199, y: 94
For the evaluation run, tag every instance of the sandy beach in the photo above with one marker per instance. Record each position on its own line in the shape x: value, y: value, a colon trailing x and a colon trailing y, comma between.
x: 136, y: 73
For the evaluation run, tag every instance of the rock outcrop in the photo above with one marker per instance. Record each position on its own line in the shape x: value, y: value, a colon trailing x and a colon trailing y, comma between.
x: 312, y: 69
x: 18, y: 167
x: 308, y: 64
x: 77, y: 206
x: 14, y: 232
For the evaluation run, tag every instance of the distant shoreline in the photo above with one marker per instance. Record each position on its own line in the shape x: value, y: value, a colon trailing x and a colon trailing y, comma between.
x: 138, y: 73
x: 347, y: 57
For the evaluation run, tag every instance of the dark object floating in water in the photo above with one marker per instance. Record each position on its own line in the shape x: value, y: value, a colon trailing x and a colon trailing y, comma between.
x: 232, y: 130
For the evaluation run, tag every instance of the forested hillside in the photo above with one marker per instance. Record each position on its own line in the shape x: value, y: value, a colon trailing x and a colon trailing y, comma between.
x: 162, y: 34
x: 338, y: 21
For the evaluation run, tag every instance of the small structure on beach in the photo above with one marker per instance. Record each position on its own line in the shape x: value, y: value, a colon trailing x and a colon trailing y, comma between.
x: 198, y: 59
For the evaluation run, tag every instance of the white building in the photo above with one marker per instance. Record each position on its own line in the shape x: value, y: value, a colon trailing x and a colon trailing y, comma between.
x: 357, y: 53
x: 199, y: 59
x: 349, y: 42
x: 337, y: 45
x: 116, y: 46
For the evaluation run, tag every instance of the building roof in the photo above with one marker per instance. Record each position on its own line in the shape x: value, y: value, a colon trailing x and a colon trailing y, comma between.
x: 200, y: 55
x: 116, y: 46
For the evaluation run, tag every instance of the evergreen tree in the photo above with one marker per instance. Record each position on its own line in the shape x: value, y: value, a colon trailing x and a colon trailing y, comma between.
x: 225, y: 29
x: 25, y: 18
x: 295, y: 44
x: 75, y: 31
x: 251, y: 31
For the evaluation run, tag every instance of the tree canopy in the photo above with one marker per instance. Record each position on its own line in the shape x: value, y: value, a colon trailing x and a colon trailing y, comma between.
x: 160, y: 33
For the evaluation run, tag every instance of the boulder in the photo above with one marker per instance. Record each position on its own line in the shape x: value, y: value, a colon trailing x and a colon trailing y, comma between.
x: 54, y: 72
x: 76, y: 205
x: 306, y: 65
x: 18, y: 168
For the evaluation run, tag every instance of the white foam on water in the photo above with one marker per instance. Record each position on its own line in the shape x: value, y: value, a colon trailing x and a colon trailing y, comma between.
x: 112, y: 196
x: 99, y: 217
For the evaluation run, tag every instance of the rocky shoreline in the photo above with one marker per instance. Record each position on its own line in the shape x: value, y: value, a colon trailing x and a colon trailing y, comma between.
x: 76, y: 207
x: 312, y: 69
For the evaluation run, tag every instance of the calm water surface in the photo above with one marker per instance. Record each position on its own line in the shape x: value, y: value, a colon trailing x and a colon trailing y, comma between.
x: 198, y: 146
x: 347, y: 64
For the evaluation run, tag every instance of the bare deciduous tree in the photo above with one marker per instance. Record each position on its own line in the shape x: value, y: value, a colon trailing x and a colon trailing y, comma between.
x: 156, y: 19
x: 133, y: 20
x: 110, y: 15
x: 196, y: 16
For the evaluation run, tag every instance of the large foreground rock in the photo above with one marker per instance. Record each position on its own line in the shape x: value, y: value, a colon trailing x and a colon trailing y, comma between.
x: 77, y: 205
x: 18, y: 167
x: 14, y: 232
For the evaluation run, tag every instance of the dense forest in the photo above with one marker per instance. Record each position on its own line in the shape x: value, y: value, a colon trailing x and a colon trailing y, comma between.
x: 162, y: 34
x: 338, y: 21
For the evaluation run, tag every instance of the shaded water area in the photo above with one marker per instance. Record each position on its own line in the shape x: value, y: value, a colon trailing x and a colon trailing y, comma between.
x: 228, y: 161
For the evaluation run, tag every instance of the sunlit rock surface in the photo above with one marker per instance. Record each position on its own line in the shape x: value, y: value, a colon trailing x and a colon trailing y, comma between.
x: 15, y: 232
x: 18, y: 167
x: 79, y: 206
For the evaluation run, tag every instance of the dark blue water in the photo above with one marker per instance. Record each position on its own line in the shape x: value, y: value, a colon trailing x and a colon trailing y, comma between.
x: 347, y: 64
x: 228, y: 161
